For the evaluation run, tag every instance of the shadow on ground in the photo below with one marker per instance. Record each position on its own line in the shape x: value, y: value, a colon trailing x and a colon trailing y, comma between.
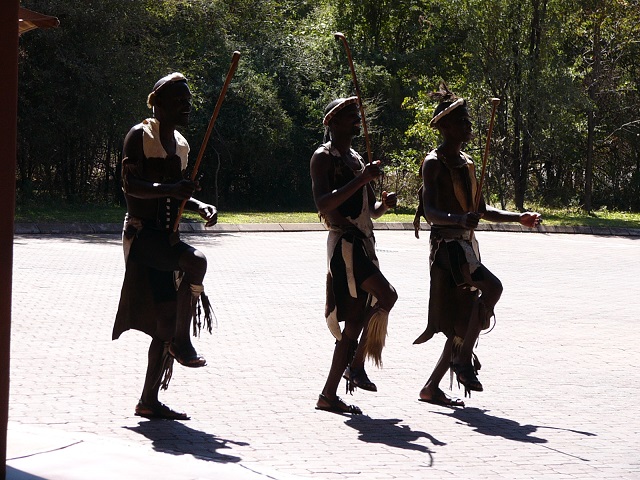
x: 481, y: 422
x: 177, y: 439
x: 390, y: 431
x: 15, y: 474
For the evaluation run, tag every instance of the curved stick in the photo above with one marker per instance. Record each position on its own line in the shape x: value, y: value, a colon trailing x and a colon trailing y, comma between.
x: 476, y: 202
x: 212, y: 121
x: 341, y: 37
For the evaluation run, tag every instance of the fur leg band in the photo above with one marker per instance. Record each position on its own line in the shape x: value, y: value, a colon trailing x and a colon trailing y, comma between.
x: 167, y: 367
x: 199, y: 303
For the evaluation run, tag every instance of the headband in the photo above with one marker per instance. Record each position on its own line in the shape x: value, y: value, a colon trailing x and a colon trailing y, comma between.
x: 160, y: 84
x: 446, y: 111
x: 342, y: 102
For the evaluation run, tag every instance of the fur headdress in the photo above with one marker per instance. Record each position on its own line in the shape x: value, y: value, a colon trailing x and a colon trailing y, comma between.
x: 448, y: 102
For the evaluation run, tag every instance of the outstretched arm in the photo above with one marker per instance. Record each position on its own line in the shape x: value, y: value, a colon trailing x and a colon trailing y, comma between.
x: 208, y: 212
x: 528, y: 219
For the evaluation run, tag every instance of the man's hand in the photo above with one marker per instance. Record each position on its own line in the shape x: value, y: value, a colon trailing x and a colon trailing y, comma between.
x: 530, y: 219
x: 416, y: 225
x: 183, y: 190
x: 469, y: 220
x: 390, y: 199
x: 209, y: 213
x: 372, y: 171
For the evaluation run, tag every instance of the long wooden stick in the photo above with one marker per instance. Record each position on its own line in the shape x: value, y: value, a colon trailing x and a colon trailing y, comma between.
x: 476, y: 202
x: 341, y: 37
x: 232, y: 69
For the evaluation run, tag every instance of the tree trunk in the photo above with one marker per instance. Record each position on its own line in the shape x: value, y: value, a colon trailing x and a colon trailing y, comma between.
x: 516, y: 113
x: 588, y: 169
x: 591, y: 116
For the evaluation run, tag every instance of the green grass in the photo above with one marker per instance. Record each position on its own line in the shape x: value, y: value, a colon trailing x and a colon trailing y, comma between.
x: 599, y: 218
x: 114, y: 214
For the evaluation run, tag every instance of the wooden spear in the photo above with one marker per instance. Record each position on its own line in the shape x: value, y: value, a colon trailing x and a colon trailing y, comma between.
x: 212, y: 121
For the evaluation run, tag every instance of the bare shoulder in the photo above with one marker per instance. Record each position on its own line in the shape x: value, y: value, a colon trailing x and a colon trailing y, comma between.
x: 133, y: 141
x: 134, y: 134
x: 321, y: 151
x: 321, y: 159
x: 431, y: 165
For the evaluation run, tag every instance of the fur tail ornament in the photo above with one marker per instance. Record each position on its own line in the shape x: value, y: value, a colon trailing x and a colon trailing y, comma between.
x: 376, y: 335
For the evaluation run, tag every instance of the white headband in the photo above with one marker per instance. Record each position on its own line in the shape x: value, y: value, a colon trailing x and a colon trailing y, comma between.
x: 446, y: 111
x: 332, y: 113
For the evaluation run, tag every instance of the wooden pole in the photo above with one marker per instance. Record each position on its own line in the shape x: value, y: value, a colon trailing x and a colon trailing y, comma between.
x: 212, y: 121
x: 340, y: 36
x: 476, y: 202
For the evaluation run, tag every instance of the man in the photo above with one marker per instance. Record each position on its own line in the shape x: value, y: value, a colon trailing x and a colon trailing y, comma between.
x: 162, y: 293
x: 357, y: 292
x: 463, y: 292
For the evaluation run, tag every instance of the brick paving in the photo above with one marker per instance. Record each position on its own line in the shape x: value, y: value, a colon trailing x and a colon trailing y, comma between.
x: 559, y: 369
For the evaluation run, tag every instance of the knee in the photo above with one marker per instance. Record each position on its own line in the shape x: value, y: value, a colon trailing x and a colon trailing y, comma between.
x: 352, y: 330
x: 389, y: 299
x: 200, y: 260
x: 490, y: 298
x: 496, y: 289
x: 195, y: 265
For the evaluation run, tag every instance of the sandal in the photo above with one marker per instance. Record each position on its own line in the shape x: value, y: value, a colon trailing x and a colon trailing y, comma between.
x: 442, y: 400
x: 336, y: 405
x: 357, y: 378
x: 467, y: 376
x: 159, y: 411
x: 192, y: 360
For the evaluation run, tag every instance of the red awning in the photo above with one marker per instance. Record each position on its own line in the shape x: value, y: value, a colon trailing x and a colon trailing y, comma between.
x: 28, y: 20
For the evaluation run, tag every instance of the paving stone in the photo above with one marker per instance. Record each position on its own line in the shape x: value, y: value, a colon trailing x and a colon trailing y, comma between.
x: 559, y: 367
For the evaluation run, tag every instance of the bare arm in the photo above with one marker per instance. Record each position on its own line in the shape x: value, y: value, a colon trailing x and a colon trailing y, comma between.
x: 141, y: 188
x: 431, y: 169
x: 136, y: 186
x: 326, y: 199
x: 389, y: 200
x: 528, y: 219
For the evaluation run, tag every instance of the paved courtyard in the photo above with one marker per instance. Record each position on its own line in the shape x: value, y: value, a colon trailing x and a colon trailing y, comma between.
x: 560, y: 369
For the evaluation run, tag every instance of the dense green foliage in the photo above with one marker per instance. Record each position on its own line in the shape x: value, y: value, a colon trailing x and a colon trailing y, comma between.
x: 567, y: 72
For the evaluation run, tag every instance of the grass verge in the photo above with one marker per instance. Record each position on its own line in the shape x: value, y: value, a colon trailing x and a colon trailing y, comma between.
x: 114, y: 214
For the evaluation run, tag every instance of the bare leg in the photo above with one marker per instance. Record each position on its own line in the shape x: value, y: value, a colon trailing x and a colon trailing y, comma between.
x: 386, y: 296
x: 339, y: 362
x: 328, y: 399
x: 154, y: 373
x: 431, y: 391
x: 194, y: 265
x: 358, y: 358
x: 433, y: 383
x: 149, y: 406
x: 471, y: 335
x: 342, y: 354
x: 184, y: 314
x: 462, y: 363
x: 491, y: 289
